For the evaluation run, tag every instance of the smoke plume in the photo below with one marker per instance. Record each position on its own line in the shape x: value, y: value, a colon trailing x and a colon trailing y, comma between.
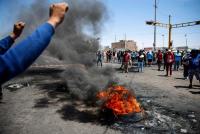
x: 76, y: 42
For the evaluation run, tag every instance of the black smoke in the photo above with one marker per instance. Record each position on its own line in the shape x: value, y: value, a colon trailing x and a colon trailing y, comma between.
x: 75, y: 42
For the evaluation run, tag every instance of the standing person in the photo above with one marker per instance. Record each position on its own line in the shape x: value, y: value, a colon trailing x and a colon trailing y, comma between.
x: 140, y: 61
x: 164, y: 58
x: 145, y: 58
x: 169, y: 61
x: 119, y: 56
x: 149, y: 58
x: 194, y: 66
x: 159, y: 59
x: 17, y: 59
x: 132, y: 56
x: 126, y: 60
x: 185, y: 62
x: 99, y: 58
x: 122, y: 59
x: 108, y: 56
x: 114, y: 56
x: 178, y: 58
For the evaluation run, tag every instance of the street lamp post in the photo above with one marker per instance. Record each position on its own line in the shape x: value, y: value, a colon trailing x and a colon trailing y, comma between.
x: 186, y: 41
x: 163, y: 37
x: 155, y: 20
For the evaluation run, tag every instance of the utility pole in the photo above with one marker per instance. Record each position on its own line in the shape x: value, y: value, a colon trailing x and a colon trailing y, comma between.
x: 125, y: 41
x: 170, y: 33
x: 163, y: 37
x: 155, y: 19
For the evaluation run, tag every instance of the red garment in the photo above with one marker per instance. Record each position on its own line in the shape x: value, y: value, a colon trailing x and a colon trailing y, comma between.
x: 126, y: 57
x: 159, y: 56
x: 169, y: 57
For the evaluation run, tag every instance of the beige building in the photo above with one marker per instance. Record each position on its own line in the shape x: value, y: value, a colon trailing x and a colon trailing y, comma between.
x: 125, y: 44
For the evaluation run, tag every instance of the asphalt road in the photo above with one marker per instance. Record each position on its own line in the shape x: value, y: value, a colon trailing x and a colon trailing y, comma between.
x: 42, y: 105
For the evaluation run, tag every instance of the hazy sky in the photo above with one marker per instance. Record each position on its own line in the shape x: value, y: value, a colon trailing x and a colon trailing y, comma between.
x: 127, y: 17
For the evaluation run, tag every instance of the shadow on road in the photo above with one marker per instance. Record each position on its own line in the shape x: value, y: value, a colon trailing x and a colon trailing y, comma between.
x: 162, y: 75
x: 180, y: 78
x: 186, y: 87
x: 194, y: 92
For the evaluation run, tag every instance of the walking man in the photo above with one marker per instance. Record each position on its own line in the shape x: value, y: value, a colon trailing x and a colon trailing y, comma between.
x: 178, y: 58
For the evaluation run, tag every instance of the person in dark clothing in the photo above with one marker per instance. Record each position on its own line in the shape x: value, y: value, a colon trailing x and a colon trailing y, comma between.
x: 194, y: 66
x: 122, y: 60
x: 17, y: 59
x: 159, y: 59
x: 185, y: 61
x: 119, y: 56
x: 145, y: 58
x: 99, y: 58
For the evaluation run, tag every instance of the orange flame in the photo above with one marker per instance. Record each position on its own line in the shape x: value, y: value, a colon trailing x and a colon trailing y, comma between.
x: 119, y: 100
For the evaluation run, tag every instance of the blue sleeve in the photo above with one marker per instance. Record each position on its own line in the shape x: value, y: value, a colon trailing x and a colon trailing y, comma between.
x: 22, y: 55
x: 5, y: 44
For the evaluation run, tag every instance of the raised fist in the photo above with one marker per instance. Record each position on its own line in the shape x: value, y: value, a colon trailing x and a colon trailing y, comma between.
x: 57, y: 13
x: 17, y: 29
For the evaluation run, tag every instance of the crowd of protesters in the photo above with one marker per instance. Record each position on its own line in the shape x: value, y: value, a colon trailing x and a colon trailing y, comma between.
x: 171, y: 60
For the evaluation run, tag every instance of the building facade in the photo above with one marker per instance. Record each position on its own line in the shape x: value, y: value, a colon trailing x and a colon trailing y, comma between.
x: 124, y: 45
